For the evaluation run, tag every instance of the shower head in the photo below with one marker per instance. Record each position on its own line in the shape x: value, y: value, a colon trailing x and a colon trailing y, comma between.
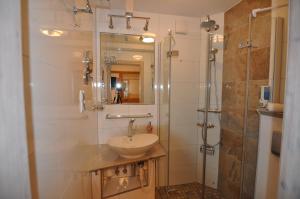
x: 209, y: 24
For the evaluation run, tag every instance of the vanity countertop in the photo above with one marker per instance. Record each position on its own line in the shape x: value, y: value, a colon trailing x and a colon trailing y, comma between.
x: 96, y: 157
x: 264, y: 111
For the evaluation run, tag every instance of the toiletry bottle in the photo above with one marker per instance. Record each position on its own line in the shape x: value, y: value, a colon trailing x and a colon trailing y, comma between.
x: 149, y: 128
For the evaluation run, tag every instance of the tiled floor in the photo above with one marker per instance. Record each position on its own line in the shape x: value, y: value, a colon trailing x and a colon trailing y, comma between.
x: 186, y: 191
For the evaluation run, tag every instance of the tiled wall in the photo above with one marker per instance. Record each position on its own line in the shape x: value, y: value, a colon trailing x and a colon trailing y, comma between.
x: 159, y: 25
x: 187, y: 94
x: 58, y: 128
x: 185, y: 82
x: 233, y: 100
x: 188, y: 73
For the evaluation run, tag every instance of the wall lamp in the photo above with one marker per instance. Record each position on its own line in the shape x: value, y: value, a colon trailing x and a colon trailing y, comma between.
x: 129, y: 16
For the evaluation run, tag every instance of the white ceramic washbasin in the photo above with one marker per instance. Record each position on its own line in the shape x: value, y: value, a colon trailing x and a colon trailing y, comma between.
x: 134, y: 147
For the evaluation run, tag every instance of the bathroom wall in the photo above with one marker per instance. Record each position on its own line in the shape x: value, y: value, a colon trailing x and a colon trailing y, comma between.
x: 233, y: 97
x: 14, y: 167
x: 290, y: 159
x: 53, y: 75
x: 187, y: 94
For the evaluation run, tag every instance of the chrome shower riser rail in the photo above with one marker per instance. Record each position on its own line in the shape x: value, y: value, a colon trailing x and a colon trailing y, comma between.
x: 206, y: 109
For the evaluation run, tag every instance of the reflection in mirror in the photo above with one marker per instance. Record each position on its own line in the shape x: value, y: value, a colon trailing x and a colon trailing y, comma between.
x: 128, y: 71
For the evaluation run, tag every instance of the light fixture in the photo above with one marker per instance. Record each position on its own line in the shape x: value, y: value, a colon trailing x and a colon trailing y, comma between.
x: 137, y: 57
x: 148, y: 38
x: 52, y: 32
x: 118, y: 85
x: 146, y: 27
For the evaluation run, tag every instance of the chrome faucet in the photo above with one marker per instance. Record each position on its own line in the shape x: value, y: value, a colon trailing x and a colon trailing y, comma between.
x: 130, y: 128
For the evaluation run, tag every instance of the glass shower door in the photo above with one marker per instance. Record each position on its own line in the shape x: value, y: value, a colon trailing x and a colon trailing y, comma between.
x: 164, y: 108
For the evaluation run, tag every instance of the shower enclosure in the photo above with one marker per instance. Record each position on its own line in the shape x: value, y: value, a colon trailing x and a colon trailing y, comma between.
x: 250, y: 61
x: 186, y: 112
x: 249, y: 54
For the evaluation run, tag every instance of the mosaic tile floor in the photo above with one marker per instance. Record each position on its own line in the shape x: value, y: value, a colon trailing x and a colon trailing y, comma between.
x: 186, y: 191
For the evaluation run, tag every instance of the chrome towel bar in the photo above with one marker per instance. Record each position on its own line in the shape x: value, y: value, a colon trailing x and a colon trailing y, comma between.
x: 110, y: 116
x: 210, y: 110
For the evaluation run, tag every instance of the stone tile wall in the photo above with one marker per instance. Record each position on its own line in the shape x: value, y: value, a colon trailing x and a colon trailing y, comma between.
x: 233, y: 98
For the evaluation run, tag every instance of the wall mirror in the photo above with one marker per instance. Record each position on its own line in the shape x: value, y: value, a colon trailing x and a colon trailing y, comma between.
x: 278, y: 53
x: 127, y: 65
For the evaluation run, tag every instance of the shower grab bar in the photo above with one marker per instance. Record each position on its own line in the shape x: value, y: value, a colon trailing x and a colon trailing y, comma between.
x: 210, y: 110
x: 110, y: 116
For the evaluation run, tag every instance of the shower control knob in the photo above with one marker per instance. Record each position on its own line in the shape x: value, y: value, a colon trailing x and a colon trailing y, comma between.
x: 124, y: 170
x: 209, y: 125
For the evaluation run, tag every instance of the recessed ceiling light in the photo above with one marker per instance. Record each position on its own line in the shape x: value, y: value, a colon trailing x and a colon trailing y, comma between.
x: 52, y: 32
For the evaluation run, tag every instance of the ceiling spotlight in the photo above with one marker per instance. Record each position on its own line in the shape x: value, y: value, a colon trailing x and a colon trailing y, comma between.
x: 128, y: 26
x: 146, y: 27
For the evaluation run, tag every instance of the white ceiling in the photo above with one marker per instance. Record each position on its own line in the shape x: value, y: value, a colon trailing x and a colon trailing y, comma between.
x: 194, y: 8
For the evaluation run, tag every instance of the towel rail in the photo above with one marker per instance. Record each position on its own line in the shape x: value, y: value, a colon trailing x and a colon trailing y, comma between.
x: 210, y: 110
x: 110, y: 116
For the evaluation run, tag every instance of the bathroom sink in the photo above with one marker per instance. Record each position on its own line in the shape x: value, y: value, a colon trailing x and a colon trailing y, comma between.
x: 133, y: 147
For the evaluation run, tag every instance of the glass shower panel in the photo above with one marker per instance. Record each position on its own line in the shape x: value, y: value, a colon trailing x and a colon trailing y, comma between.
x: 178, y: 115
x: 258, y: 76
x: 164, y: 108
x: 60, y: 132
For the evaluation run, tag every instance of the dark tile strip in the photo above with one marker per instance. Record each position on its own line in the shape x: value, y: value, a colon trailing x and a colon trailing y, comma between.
x: 186, y: 191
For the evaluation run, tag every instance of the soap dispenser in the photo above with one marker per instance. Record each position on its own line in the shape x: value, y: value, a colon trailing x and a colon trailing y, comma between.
x: 149, y: 127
